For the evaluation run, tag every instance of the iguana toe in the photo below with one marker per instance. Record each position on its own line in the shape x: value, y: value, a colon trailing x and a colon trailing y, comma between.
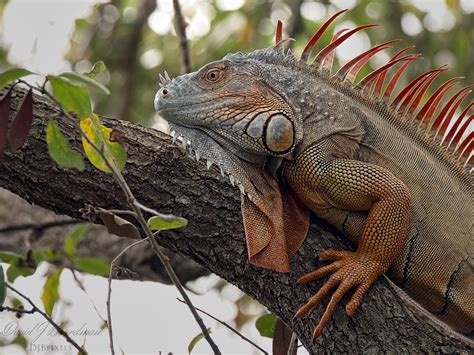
x: 349, y: 270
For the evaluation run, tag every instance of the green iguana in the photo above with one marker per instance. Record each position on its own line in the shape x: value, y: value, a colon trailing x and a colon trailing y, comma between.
x: 389, y: 172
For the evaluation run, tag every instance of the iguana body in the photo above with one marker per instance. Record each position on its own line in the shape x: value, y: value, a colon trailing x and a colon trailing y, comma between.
x: 294, y: 137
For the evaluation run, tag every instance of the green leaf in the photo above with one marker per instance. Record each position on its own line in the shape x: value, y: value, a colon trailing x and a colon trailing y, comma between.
x: 84, y: 79
x: 73, y: 237
x: 71, y: 97
x: 16, y: 303
x: 119, y: 155
x: 99, y: 67
x: 166, y: 221
x: 15, y: 271
x: 119, y: 226
x: 3, y: 286
x: 51, y: 292
x: 12, y: 75
x: 19, y: 265
x: 80, y: 22
x: 94, y: 266
x: 10, y: 257
x: 266, y: 325
x: 60, y: 150
x: 196, y: 340
x: 47, y: 254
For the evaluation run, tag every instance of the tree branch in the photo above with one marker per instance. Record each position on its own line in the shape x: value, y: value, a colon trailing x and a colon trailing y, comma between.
x: 38, y: 227
x: 129, y: 62
x: 163, y: 178
x: 180, y: 26
x: 235, y: 331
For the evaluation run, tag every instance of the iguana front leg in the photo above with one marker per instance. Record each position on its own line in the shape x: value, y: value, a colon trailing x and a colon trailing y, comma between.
x: 323, y: 182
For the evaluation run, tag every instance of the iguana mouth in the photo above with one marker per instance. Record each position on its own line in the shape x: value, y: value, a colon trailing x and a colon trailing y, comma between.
x: 180, y: 107
x: 200, y: 144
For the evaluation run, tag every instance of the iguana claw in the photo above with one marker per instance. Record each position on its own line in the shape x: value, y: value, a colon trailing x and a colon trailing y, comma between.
x: 349, y: 269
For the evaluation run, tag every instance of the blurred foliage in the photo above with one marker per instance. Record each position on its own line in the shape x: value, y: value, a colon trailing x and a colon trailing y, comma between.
x: 110, y: 33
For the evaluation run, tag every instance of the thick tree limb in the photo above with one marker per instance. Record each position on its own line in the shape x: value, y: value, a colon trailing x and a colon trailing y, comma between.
x: 163, y: 178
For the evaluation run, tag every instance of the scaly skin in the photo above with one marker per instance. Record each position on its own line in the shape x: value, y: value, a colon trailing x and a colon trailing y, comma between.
x: 295, y: 140
x: 323, y: 181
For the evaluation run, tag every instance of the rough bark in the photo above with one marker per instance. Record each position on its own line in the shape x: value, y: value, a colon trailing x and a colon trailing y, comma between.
x: 162, y: 177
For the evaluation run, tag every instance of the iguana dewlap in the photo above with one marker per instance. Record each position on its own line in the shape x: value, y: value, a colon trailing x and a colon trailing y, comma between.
x: 387, y: 171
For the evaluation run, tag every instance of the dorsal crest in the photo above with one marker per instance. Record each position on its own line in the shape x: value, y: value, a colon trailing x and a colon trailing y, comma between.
x: 433, y: 117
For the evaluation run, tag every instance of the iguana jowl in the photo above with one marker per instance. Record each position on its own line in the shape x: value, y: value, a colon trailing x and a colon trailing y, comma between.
x: 388, y: 172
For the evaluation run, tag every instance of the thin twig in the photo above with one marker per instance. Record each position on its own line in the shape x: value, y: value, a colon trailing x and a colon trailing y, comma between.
x: 109, y: 292
x: 124, y: 212
x: 50, y: 320
x: 80, y: 284
x: 229, y: 327
x: 17, y: 310
x: 148, y: 209
x: 39, y: 226
x: 180, y: 26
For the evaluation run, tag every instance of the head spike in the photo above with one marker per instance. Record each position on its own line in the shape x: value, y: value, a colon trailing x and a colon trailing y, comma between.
x: 312, y: 42
x: 285, y: 40
x: 368, y: 79
x: 430, y: 106
x: 331, y: 46
x: 350, y: 70
x: 456, y: 124
x: 162, y: 79
x: 278, y: 33
x: 327, y: 62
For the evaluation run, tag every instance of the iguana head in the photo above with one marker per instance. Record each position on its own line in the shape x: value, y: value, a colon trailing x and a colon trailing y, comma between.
x: 234, y: 102
x: 234, y: 112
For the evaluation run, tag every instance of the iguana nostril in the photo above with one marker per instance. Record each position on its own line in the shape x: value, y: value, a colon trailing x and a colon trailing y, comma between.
x: 165, y: 92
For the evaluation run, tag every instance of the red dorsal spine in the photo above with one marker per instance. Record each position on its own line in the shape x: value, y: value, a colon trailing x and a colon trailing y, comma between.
x: 350, y: 70
x: 331, y: 46
x: 312, y: 42
x: 456, y: 136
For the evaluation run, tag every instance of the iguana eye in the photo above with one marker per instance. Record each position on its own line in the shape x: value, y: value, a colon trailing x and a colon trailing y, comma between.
x: 213, y: 75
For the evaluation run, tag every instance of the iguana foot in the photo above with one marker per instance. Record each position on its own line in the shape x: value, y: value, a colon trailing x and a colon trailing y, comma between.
x: 349, y: 269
